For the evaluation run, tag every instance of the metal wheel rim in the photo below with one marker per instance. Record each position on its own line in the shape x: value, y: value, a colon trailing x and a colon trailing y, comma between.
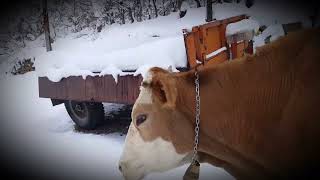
x: 80, y: 110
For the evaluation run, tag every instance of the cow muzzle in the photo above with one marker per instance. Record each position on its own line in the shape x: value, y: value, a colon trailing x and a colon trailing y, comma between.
x: 130, y: 172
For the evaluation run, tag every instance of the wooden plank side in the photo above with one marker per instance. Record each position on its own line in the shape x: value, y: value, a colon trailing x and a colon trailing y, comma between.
x: 97, y: 89
x: 189, y: 40
x: 94, y: 88
x: 219, y: 58
x: 234, y: 50
x: 197, y: 43
x: 222, y: 30
x: 202, y: 44
x: 119, y: 90
x: 249, y: 47
x: 136, y: 87
x: 240, y: 49
x: 125, y: 89
x: 134, y: 83
x: 75, y: 86
x: 61, y: 89
x: 109, y: 86
x: 47, y: 88
x: 130, y: 89
x: 212, y: 39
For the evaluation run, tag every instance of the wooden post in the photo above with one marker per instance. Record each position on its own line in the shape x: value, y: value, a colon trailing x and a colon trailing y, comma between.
x: 46, y: 25
x: 234, y: 49
x: 209, y: 11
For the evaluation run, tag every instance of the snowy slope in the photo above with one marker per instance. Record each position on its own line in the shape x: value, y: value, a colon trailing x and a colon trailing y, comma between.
x: 156, y: 42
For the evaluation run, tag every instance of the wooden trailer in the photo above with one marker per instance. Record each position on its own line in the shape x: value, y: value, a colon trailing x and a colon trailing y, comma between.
x: 83, y: 97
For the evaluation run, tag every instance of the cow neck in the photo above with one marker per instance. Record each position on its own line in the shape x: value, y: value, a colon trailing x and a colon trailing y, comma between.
x: 211, y: 143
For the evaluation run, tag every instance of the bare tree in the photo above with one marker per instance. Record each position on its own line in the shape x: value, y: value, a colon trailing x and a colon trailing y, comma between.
x: 209, y: 11
x: 249, y: 3
x: 198, y: 3
x: 122, y: 18
x: 130, y: 14
x: 155, y: 8
x: 138, y: 10
x: 46, y: 25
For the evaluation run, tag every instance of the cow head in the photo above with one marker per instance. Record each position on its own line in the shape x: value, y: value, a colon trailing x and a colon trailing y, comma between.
x: 150, y: 145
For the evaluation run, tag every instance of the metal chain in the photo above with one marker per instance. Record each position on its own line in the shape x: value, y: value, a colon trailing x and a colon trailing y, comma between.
x: 197, y: 128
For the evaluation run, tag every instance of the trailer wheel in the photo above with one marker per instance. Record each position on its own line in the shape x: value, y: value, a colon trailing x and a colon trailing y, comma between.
x: 85, y: 115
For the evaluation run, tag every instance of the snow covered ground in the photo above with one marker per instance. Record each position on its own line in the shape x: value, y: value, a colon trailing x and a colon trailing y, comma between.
x: 41, y: 138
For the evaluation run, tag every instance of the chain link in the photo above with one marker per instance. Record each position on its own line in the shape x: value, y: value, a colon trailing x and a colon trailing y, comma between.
x: 197, y: 127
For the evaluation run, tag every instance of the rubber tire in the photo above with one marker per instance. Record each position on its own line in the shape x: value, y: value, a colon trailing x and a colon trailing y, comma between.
x: 94, y: 114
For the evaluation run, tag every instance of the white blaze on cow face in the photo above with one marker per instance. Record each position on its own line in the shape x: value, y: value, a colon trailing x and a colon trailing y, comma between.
x: 141, y: 157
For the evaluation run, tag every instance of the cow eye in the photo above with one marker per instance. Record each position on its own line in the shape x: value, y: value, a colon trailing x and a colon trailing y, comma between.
x: 140, y: 119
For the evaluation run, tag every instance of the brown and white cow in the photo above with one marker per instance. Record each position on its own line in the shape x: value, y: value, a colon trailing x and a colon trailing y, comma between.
x: 260, y: 115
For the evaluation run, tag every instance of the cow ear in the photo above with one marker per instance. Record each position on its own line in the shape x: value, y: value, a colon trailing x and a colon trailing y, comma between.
x: 164, y: 90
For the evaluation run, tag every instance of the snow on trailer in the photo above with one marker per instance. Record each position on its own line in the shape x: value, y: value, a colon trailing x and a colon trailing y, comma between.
x: 83, y: 94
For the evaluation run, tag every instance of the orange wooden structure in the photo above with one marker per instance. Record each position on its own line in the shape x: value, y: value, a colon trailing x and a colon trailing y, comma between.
x: 208, y: 43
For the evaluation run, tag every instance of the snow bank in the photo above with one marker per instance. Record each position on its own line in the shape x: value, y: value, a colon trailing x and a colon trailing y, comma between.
x: 273, y: 31
x: 163, y: 53
x: 242, y: 27
x: 266, y: 12
x: 114, y: 71
x: 56, y: 74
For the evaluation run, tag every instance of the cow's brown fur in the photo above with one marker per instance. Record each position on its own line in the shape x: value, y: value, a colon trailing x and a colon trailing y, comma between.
x: 259, y: 114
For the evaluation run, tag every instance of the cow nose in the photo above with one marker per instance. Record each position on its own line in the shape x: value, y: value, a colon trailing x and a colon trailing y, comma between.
x: 120, y: 168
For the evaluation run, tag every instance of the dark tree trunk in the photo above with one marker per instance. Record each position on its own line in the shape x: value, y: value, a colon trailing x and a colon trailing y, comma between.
x: 46, y: 25
x: 176, y: 5
x: 209, y: 11
x: 182, y: 13
x: 249, y: 3
x: 138, y: 14
x: 155, y: 7
x: 179, y: 3
x: 74, y: 15
x: 123, y: 20
x: 163, y: 9
x: 130, y: 15
x: 198, y: 3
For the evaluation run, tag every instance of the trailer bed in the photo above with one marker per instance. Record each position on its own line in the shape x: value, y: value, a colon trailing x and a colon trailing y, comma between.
x: 200, y: 42
x: 92, y: 89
